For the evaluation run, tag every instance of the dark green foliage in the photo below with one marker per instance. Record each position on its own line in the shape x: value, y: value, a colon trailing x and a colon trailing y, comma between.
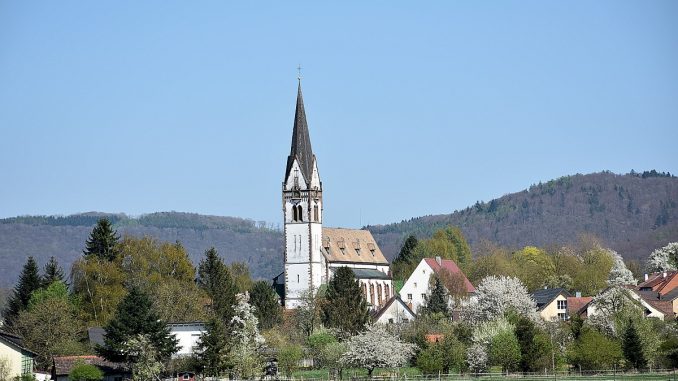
x: 576, y: 326
x: 633, y: 347
x: 669, y: 350
x: 405, y: 260
x: 437, y: 303
x: 593, y: 351
x: 345, y: 307
x: 213, y: 348
x: 135, y: 316
x: 215, y: 278
x: 265, y: 300
x: 29, y: 281
x: 85, y: 372
x: 53, y: 273
x: 531, y: 348
x: 102, y: 240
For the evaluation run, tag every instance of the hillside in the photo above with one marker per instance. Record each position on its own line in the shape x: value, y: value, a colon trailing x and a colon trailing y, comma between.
x: 236, y: 239
x: 632, y: 214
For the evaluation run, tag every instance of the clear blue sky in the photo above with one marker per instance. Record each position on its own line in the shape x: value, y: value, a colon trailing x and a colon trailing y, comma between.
x: 414, y: 108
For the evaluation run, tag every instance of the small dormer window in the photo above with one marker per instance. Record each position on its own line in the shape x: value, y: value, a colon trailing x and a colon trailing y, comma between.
x: 372, y: 248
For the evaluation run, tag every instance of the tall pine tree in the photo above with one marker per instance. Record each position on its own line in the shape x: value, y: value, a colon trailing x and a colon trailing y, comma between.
x: 345, y: 307
x: 102, y: 241
x: 135, y: 316
x: 29, y: 281
x: 265, y: 301
x: 215, y: 278
x: 438, y: 301
x: 213, y: 348
x: 633, y: 347
x: 402, y: 265
x: 52, y: 273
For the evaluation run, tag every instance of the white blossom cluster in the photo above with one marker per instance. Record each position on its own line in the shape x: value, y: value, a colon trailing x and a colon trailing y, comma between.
x: 619, y: 274
x: 245, y: 323
x: 476, y: 358
x: 377, y: 348
x: 663, y: 259
x: 496, y: 295
x: 486, y: 331
x: 606, y: 305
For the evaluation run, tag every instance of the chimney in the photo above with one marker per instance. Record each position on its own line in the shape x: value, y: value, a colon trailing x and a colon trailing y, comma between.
x: 440, y: 261
x: 646, y: 276
x: 577, y: 294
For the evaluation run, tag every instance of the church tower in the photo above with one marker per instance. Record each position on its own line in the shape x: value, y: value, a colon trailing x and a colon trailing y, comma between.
x: 302, y: 210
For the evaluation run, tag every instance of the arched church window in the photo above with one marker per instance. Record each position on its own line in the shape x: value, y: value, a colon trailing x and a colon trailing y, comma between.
x: 297, y: 278
x: 295, y: 217
x: 379, y: 293
x: 372, y: 294
x: 364, y: 287
x: 299, y: 214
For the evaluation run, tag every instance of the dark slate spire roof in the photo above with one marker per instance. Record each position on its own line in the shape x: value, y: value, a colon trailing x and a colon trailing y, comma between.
x: 301, y: 142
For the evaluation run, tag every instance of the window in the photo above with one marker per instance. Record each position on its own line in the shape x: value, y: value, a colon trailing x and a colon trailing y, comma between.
x: 316, y: 215
x: 297, y: 278
x: 187, y: 376
x: 562, y: 304
x: 390, y: 321
x: 295, y: 216
x: 423, y: 296
x: 299, y: 213
x: 415, y: 284
x: 26, y: 364
x: 562, y: 316
x: 409, y: 296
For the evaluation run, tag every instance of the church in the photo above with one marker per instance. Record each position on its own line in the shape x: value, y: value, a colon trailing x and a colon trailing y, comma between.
x: 313, y: 252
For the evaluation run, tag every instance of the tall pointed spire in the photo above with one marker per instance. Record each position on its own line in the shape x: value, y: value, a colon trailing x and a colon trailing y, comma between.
x: 301, y: 141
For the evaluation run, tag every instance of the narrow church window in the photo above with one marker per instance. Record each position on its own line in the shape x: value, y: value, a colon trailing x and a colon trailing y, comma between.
x: 295, y: 217
x: 297, y: 278
x: 316, y: 217
x: 301, y: 218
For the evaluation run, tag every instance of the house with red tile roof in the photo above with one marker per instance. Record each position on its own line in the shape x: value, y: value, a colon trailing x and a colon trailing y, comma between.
x: 418, y: 285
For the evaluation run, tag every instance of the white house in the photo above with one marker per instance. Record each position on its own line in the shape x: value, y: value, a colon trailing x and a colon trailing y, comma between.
x: 395, y: 311
x: 313, y: 252
x: 418, y: 285
x: 18, y: 359
x: 188, y: 335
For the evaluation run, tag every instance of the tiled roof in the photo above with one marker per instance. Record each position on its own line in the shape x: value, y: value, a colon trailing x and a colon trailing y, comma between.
x: 301, y: 142
x: 388, y: 304
x: 62, y: 365
x: 545, y: 296
x: 660, y: 283
x: 351, y: 246
x: 652, y: 298
x: 575, y: 305
x: 452, y: 268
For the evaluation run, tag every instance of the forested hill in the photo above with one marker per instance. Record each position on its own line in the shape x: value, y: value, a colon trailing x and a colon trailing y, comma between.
x: 632, y: 214
x: 236, y: 239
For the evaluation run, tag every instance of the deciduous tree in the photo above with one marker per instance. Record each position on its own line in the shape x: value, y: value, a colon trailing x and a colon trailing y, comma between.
x: 376, y: 348
x: 245, y: 340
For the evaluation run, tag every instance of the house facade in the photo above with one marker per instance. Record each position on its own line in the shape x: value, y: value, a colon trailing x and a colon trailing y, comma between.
x: 394, y: 311
x: 19, y: 358
x: 552, y: 303
x: 418, y: 285
x: 188, y: 335
x: 313, y: 252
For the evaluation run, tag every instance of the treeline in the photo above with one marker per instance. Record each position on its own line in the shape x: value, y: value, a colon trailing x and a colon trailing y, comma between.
x: 159, y: 220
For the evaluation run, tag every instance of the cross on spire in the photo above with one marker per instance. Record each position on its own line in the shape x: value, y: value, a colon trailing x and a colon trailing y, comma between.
x: 299, y: 72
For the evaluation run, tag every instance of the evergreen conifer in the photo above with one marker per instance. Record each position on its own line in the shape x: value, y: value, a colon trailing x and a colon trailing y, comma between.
x: 135, y: 316
x: 405, y: 259
x: 215, y: 278
x: 438, y: 301
x: 265, y: 301
x: 633, y: 347
x: 102, y: 241
x: 52, y: 273
x: 29, y: 281
x: 345, y: 307
x: 213, y: 348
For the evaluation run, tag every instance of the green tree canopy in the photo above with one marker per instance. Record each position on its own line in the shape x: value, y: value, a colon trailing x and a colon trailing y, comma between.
x: 52, y: 273
x: 215, y: 278
x: 102, y: 241
x: 345, y: 308
x: 29, y: 281
x: 265, y: 301
x: 135, y: 316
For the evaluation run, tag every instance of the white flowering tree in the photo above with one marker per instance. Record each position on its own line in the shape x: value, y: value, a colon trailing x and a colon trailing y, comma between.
x: 664, y: 259
x: 376, y: 348
x: 476, y: 358
x: 246, y: 340
x: 484, y: 332
x: 619, y: 274
x: 497, y: 295
x: 144, y: 358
